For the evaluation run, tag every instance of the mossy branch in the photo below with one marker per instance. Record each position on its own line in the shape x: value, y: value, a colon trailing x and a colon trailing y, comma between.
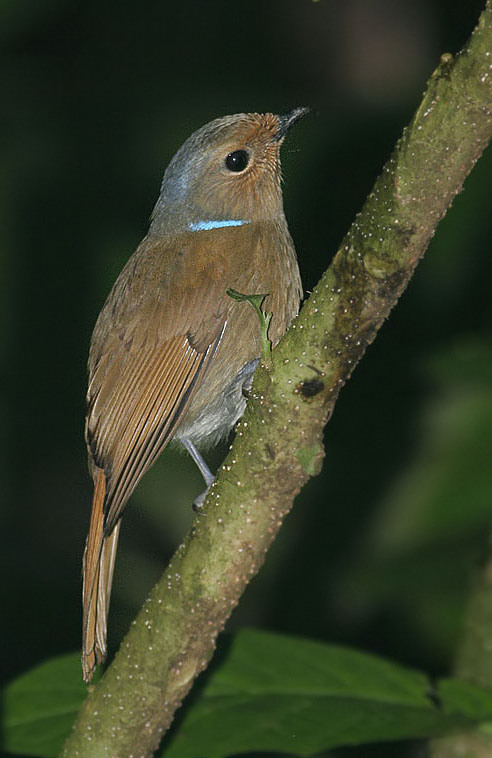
x: 278, y: 444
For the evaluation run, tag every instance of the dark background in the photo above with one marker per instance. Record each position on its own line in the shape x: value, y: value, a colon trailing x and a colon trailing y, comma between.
x: 381, y: 548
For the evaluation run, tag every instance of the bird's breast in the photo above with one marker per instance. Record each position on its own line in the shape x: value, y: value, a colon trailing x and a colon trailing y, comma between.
x: 257, y: 259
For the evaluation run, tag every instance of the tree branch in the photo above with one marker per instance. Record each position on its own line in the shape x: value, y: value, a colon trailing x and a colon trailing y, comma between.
x: 278, y: 443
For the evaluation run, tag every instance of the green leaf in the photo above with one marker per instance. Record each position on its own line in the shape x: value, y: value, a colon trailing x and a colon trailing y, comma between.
x: 273, y: 693
x: 464, y: 698
x: 40, y: 706
x: 285, y: 694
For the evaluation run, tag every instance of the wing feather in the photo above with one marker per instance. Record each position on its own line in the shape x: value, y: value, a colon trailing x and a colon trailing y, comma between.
x: 154, y: 419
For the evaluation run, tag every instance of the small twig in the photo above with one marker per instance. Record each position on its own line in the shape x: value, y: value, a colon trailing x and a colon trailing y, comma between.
x: 264, y: 317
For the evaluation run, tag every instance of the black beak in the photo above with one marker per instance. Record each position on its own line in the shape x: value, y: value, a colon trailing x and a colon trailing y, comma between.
x: 285, y: 122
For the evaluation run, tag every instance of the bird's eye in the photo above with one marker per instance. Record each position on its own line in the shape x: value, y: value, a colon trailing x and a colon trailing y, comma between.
x: 237, y: 161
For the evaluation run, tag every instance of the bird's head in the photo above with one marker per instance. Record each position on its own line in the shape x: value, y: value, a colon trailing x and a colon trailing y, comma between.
x: 227, y: 171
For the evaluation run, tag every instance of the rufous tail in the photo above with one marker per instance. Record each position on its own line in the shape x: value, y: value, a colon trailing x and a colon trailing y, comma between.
x: 98, y: 565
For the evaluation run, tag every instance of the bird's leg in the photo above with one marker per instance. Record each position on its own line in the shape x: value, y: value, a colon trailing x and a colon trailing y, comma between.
x: 204, y: 470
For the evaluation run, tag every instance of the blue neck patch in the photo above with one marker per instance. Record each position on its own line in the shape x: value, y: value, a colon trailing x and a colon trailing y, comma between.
x: 205, y: 226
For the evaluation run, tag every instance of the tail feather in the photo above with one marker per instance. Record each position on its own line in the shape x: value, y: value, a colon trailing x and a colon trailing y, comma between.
x: 98, y: 565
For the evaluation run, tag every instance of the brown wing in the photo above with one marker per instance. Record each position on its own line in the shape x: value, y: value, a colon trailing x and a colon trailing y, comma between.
x: 151, y: 348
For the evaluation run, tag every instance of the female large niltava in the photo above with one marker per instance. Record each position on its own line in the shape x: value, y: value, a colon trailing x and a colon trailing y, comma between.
x: 172, y: 355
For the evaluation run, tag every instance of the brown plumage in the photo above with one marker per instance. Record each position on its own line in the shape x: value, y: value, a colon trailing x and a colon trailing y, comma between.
x: 171, y: 352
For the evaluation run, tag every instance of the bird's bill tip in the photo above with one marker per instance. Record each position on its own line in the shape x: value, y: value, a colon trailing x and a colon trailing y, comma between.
x: 289, y: 119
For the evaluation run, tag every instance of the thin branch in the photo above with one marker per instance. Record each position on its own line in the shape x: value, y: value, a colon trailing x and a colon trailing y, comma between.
x: 278, y: 444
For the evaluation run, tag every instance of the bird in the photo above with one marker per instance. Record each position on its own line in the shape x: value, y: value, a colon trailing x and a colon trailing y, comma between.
x: 172, y: 354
